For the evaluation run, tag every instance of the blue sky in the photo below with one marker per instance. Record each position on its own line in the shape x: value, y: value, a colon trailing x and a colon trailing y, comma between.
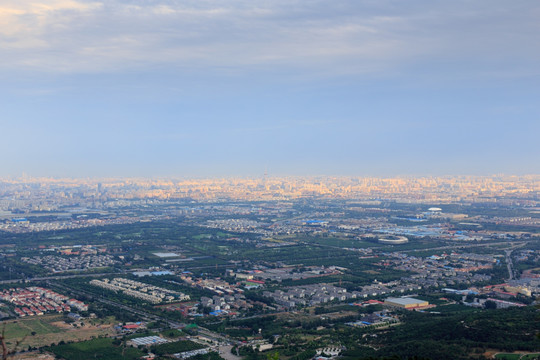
x: 224, y: 88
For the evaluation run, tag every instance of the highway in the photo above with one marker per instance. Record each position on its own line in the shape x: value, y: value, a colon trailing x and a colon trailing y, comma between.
x: 457, y: 245
x: 509, y: 264
x: 508, y: 255
x: 57, y: 277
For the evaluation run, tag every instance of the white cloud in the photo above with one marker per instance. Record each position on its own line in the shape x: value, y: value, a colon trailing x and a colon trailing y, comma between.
x: 341, y: 36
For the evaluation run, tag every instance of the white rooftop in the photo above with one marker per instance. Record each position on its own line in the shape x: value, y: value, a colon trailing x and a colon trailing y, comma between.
x: 149, y: 340
x: 165, y: 254
x: 405, y: 301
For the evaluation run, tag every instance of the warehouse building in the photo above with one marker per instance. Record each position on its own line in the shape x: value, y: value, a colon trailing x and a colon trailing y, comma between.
x: 407, y: 303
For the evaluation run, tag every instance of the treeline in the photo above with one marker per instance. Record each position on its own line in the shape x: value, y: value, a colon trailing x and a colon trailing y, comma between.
x: 456, y: 336
x: 175, y: 347
x: 171, y: 230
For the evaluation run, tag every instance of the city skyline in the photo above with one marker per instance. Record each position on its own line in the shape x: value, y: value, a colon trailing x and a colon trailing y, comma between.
x: 49, y: 193
x: 213, y: 89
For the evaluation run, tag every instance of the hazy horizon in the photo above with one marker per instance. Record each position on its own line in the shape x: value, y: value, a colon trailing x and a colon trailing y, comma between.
x: 28, y: 177
x: 288, y: 88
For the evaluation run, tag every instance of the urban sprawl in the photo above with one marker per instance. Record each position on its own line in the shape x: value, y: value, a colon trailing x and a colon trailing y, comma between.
x: 290, y: 268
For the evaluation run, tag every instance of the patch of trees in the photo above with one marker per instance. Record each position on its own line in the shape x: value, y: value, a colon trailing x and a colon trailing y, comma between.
x: 175, y: 347
x: 455, y: 336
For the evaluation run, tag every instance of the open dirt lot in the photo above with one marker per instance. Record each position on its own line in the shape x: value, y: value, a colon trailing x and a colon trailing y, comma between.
x: 45, y: 330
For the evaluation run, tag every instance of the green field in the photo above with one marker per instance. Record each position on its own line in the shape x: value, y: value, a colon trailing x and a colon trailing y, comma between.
x: 95, y: 349
x: 517, y: 356
x: 508, y: 356
x: 39, y: 326
x: 531, y: 356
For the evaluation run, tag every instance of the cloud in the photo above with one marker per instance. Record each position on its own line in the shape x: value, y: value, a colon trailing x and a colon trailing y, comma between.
x: 341, y: 37
x: 21, y: 20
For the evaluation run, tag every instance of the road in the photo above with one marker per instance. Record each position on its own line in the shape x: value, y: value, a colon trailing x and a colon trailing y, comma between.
x: 463, y: 246
x: 57, y: 277
x: 145, y: 315
x: 509, y: 264
x: 446, y: 247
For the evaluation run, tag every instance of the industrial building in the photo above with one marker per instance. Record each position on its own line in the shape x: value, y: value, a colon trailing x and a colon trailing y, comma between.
x: 407, y: 303
x: 147, y: 341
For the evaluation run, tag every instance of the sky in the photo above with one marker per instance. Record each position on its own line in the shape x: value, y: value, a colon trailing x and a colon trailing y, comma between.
x: 167, y: 88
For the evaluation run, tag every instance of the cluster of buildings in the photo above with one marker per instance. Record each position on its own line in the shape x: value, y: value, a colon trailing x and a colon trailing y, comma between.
x: 376, y: 227
x: 376, y: 318
x: 157, y: 340
x: 186, y: 309
x: 436, y: 271
x: 528, y: 255
x: 106, y: 201
x: 482, y: 302
x: 503, y: 304
x: 440, y: 231
x: 328, y: 352
x: 523, y: 220
x: 445, y: 278
x: 59, y: 264
x: 500, y: 294
x: 217, y: 286
x: 499, y: 304
x: 150, y: 293
x: 38, y: 301
x: 286, y: 273
x: 227, y: 304
x: 191, y: 353
x: 393, y: 287
x: 19, y: 227
x: 527, y: 286
x: 236, y: 225
x: 130, y: 327
x: 308, y: 295
x: 51, y: 194
x: 469, y: 259
x: 507, y: 290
